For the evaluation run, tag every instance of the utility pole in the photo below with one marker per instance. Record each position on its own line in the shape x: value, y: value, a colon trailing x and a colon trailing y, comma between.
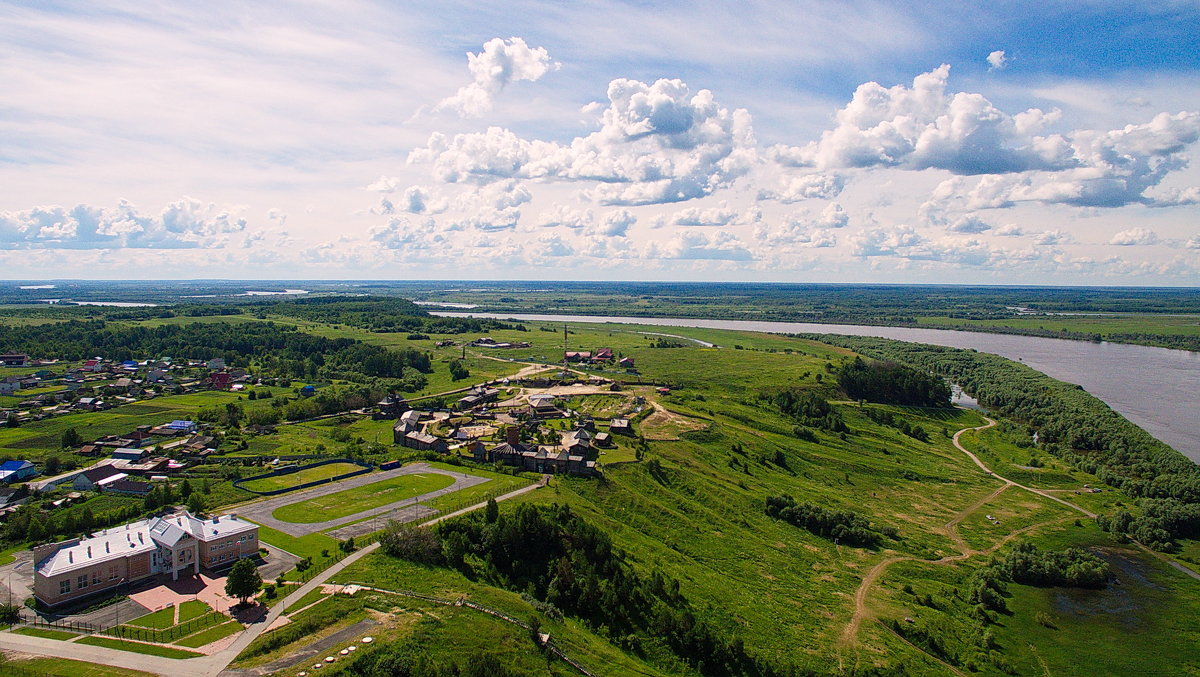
x: 564, y: 347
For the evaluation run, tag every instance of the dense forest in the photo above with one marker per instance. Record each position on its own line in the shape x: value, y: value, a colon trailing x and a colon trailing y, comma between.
x: 808, y: 408
x: 892, y: 383
x: 1071, y: 425
x: 571, y: 567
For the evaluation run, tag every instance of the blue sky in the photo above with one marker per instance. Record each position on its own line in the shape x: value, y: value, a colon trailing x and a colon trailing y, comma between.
x: 1018, y: 142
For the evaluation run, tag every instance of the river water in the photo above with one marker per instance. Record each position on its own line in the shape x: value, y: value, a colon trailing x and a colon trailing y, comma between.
x: 1156, y: 388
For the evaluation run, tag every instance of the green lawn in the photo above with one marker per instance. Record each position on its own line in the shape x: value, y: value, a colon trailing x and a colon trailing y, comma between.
x: 211, y: 634
x: 358, y: 499
x: 498, y: 485
x: 46, y: 632
x: 150, y: 649
x: 301, y: 477
x: 62, y: 667
x: 309, y: 545
x: 307, y: 599
x: 158, y: 620
x: 193, y: 608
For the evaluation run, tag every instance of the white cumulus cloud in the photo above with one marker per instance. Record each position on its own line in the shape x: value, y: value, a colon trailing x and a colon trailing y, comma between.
x: 500, y: 63
x: 657, y: 143
x: 997, y: 60
x: 182, y: 224
x: 1134, y: 237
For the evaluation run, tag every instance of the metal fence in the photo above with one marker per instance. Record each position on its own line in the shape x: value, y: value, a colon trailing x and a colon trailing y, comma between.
x: 160, y: 635
x: 170, y: 634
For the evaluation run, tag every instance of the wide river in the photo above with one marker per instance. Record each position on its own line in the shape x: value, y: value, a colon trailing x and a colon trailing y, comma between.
x: 1156, y: 388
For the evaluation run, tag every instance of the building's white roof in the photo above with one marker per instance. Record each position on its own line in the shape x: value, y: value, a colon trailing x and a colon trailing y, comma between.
x: 110, y: 479
x: 110, y: 544
x: 138, y: 537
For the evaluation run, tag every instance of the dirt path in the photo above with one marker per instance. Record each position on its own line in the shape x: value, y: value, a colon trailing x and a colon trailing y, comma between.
x: 861, y: 612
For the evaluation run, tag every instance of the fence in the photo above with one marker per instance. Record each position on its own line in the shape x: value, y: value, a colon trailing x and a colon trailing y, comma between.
x: 239, y: 483
x: 313, y: 570
x: 67, y: 626
x: 161, y: 635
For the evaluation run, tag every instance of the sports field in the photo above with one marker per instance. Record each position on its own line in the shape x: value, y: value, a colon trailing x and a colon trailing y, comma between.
x: 358, y: 499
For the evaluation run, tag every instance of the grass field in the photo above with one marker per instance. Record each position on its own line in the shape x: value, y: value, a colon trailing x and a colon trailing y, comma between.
x: 46, y: 633
x: 211, y: 635
x: 62, y: 667
x: 499, y: 484
x: 301, y: 477
x: 136, y: 647
x: 694, y: 510
x: 368, y: 496
x: 158, y: 620
x: 309, y: 545
x: 307, y: 599
x: 192, y: 608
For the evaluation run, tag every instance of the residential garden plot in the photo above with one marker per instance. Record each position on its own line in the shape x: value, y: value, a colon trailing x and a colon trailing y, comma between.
x: 299, y: 477
x: 358, y: 499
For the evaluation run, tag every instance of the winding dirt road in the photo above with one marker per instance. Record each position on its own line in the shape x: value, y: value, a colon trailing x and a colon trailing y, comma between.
x: 950, y: 529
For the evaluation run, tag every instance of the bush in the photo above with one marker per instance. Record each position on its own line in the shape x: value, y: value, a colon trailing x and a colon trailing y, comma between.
x: 411, y: 543
x: 843, y: 526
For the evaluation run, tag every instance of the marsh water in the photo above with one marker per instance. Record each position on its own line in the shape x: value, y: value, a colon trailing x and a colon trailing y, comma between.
x: 1156, y: 388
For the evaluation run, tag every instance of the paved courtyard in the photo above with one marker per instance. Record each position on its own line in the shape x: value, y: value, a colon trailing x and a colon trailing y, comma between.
x: 261, y: 511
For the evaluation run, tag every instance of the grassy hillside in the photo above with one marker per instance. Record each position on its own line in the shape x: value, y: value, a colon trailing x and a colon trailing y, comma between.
x: 693, y: 509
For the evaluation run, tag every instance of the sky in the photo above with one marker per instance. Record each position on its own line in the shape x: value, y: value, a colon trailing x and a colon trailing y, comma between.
x: 949, y: 142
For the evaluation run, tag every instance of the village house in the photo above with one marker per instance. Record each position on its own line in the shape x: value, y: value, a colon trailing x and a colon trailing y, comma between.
x: 16, y: 471
x: 11, y: 497
x: 84, y: 567
x: 422, y: 441
x: 128, y: 487
x: 477, y: 396
x: 14, y: 360
x: 534, y: 458
x: 95, y: 479
x: 620, y: 426
x: 392, y: 406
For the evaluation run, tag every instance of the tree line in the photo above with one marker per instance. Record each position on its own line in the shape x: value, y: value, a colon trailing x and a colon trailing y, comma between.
x: 892, y: 383
x: 279, y: 349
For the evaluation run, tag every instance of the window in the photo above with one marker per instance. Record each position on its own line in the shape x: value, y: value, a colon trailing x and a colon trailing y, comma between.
x: 96, y: 577
x: 64, y: 586
x: 112, y: 572
x: 81, y: 582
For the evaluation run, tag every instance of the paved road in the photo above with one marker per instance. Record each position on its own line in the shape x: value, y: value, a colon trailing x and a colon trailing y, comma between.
x: 260, y: 511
